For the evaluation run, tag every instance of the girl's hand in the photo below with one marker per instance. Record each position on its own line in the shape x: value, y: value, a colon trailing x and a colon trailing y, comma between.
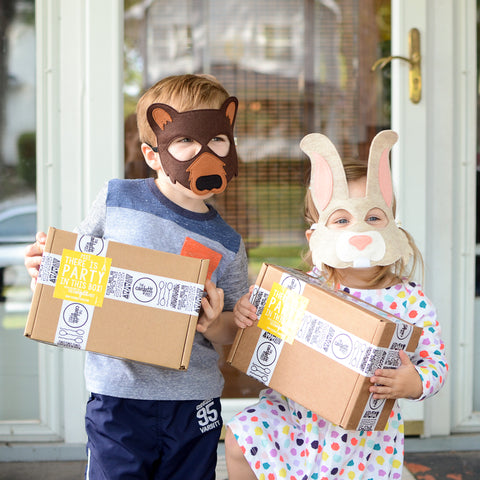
x: 212, y: 307
x: 403, y: 382
x: 244, y: 313
x: 33, y: 257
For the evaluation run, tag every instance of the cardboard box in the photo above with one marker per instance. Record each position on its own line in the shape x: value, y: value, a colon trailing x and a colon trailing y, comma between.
x: 319, y: 347
x: 116, y: 299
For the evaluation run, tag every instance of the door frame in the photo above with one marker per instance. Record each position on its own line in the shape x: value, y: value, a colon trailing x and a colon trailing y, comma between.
x: 434, y: 169
x: 426, y: 193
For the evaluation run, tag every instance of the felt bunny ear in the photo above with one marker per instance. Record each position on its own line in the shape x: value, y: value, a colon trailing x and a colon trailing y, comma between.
x: 379, y: 175
x: 327, y: 179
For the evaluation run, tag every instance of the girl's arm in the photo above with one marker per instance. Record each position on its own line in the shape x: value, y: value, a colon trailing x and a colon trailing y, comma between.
x: 244, y: 313
x: 430, y: 359
x: 403, y: 382
x: 425, y: 374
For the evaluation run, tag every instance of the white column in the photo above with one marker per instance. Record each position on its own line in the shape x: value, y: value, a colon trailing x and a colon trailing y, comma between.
x: 80, y: 146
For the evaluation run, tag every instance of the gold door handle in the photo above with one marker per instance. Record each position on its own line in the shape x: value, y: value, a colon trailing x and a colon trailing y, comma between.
x: 415, y: 73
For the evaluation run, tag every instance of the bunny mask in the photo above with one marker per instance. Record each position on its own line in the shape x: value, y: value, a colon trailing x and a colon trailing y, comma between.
x: 358, y: 245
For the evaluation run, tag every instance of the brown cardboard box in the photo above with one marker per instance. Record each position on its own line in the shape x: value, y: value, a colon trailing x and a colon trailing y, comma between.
x: 319, y: 347
x: 116, y: 299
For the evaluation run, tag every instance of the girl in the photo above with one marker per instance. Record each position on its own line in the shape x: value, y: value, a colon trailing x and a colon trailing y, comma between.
x: 356, y: 246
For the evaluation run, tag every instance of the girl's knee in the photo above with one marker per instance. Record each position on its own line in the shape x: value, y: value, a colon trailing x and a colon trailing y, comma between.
x: 237, y: 465
x: 231, y: 445
x: 229, y: 438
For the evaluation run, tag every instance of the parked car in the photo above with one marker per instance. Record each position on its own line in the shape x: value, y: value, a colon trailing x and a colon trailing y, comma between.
x: 18, y: 225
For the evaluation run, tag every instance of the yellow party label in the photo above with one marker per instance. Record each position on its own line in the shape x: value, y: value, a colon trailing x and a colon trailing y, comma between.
x: 283, y: 313
x: 82, y: 277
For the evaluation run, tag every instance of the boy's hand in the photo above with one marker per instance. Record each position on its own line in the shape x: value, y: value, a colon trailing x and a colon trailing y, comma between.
x: 403, y: 382
x: 244, y: 313
x: 33, y: 257
x: 212, y: 307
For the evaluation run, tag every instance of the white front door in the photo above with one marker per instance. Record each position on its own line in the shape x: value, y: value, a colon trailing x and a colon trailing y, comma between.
x: 435, y: 171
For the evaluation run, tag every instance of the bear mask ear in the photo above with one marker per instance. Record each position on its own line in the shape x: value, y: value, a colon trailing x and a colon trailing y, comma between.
x: 159, y: 116
x: 230, y: 107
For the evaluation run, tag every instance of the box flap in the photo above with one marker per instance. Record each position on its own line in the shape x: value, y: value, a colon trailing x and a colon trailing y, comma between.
x: 240, y: 332
x: 192, y: 327
x: 38, y: 290
x: 359, y: 393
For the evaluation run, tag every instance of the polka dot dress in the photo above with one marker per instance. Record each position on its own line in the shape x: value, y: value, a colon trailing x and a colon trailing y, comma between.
x: 283, y: 440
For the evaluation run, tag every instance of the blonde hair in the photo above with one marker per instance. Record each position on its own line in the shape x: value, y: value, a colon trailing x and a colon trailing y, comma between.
x: 182, y: 92
x: 355, y: 171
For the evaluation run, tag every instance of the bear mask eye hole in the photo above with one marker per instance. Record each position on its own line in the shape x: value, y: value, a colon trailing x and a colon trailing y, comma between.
x: 186, y: 148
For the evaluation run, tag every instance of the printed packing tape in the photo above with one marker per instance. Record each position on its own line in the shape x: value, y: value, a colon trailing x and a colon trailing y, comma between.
x: 330, y: 340
x: 74, y: 325
x: 83, y: 278
x: 131, y: 287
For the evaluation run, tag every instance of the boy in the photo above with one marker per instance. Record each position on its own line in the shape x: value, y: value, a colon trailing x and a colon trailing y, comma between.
x: 142, y: 421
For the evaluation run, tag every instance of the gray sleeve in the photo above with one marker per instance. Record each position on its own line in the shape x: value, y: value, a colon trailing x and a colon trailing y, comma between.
x: 94, y: 222
x: 235, y: 280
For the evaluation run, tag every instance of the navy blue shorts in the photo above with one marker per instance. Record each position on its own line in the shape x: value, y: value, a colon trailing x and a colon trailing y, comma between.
x: 151, y: 439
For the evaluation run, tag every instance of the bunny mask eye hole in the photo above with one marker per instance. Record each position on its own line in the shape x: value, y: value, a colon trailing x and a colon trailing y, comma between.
x: 340, y: 219
x: 377, y: 218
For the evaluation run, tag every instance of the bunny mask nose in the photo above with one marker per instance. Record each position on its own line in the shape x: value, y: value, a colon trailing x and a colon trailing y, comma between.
x: 360, y: 242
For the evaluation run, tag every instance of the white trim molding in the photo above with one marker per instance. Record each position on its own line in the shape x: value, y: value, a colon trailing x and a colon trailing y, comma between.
x: 79, y: 55
x: 435, y: 170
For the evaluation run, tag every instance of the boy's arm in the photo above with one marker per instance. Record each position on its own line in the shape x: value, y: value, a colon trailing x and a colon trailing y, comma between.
x: 219, y: 326
x: 223, y: 331
x: 33, y: 257
x: 244, y: 315
x: 215, y: 324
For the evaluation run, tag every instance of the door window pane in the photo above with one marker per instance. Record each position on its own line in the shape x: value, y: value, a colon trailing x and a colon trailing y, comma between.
x: 18, y: 356
x: 297, y: 66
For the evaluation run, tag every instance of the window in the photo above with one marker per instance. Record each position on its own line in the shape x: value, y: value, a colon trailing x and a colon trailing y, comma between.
x: 18, y: 358
x: 277, y: 41
x: 297, y: 66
